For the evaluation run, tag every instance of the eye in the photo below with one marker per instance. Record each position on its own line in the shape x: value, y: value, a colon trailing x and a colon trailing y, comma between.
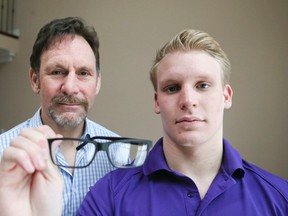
x: 171, y: 89
x: 202, y: 85
x: 83, y: 73
x: 57, y: 72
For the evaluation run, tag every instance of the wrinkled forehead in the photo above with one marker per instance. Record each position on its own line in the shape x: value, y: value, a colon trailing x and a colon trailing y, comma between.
x: 69, y: 52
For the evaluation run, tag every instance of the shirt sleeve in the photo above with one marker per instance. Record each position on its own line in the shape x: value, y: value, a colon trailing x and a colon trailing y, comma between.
x: 99, y: 200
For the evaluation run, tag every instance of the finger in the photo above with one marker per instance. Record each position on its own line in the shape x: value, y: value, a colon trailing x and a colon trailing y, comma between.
x: 52, y: 172
x: 46, y: 131
x: 14, y: 159
x: 31, y: 147
x: 31, y: 150
x: 34, y: 142
x: 38, y: 135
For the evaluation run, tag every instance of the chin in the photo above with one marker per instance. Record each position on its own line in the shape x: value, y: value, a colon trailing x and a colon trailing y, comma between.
x: 69, y: 120
x: 190, y: 141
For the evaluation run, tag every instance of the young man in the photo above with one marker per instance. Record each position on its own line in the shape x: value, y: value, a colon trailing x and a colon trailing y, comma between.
x: 192, y: 170
x: 65, y: 72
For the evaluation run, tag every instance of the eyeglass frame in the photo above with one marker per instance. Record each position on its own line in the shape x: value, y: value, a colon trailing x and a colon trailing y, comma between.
x: 100, y: 146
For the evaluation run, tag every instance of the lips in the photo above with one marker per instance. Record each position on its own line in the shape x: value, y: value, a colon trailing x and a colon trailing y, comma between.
x: 191, y: 119
x: 70, y: 104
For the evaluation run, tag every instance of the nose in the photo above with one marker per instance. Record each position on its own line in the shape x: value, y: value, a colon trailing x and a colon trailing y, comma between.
x: 188, y: 98
x: 69, y: 85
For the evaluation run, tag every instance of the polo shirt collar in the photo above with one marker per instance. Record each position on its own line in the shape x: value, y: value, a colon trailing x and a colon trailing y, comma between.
x: 232, y: 161
x: 156, y: 160
x: 231, y: 164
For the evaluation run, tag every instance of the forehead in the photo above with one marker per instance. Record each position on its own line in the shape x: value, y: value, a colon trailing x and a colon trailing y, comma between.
x: 69, y: 49
x: 69, y: 38
x: 192, y: 64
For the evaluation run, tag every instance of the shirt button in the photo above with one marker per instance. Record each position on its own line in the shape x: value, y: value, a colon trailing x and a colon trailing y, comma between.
x: 190, y: 194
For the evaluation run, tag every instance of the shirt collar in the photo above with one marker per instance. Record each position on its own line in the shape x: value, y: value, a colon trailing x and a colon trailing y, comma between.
x: 231, y: 164
x: 36, y: 119
x: 156, y: 159
x: 232, y: 161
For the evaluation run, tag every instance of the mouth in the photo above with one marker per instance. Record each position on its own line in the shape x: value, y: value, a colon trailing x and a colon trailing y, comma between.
x: 70, y: 104
x: 188, y: 120
x: 70, y: 107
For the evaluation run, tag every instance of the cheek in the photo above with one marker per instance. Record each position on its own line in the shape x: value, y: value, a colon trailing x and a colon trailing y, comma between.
x: 46, y: 90
x: 218, y: 110
x: 46, y: 97
x: 90, y: 93
x: 90, y: 100
x: 215, y: 105
x: 168, y: 112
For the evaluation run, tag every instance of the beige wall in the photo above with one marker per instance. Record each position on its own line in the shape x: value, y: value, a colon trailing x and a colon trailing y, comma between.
x: 253, y: 33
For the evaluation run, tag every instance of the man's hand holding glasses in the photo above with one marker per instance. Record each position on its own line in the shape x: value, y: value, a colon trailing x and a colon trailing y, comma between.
x: 29, y: 176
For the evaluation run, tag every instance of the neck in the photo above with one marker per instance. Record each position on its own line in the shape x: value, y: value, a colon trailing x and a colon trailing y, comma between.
x: 200, y: 163
x: 73, y: 132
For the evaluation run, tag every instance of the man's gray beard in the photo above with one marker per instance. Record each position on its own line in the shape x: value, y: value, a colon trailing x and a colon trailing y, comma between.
x: 64, y: 121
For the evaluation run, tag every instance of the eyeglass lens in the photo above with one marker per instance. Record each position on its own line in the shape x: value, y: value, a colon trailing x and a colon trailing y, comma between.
x: 125, y: 155
x: 64, y: 153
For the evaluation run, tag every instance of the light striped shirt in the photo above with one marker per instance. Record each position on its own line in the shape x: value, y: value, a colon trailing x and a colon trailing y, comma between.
x: 76, y: 186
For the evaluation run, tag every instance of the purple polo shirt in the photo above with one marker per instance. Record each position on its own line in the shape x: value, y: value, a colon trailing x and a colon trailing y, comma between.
x: 239, y: 188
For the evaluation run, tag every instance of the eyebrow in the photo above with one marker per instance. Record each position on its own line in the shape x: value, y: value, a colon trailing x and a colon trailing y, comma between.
x: 57, y: 65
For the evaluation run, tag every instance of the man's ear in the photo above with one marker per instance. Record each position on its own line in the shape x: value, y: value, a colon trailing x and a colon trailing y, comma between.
x: 228, y: 93
x: 156, y: 104
x: 34, y: 81
x: 98, y: 84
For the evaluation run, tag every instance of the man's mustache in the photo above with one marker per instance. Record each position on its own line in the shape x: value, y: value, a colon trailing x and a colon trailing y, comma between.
x: 67, y: 99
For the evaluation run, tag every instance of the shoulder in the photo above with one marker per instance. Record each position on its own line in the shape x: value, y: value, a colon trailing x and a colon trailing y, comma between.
x: 96, y: 129
x: 267, y: 179
x: 6, y: 137
x: 13, y: 131
x: 34, y: 121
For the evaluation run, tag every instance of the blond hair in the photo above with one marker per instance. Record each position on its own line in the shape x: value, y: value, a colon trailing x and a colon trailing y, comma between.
x: 188, y: 40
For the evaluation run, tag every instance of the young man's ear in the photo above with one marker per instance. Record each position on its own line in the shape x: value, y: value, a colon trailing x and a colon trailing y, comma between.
x: 156, y: 104
x: 228, y: 93
x: 34, y: 81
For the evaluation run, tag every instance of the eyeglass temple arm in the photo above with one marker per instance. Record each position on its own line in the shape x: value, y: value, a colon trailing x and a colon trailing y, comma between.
x: 132, y: 140
x: 110, y: 138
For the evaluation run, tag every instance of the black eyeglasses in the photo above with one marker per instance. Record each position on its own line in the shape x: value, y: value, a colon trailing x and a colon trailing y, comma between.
x: 122, y: 152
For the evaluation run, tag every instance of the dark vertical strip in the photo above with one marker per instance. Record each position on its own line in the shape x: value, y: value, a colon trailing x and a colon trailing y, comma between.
x: 12, y: 17
x: 2, y: 15
x: 7, y: 15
